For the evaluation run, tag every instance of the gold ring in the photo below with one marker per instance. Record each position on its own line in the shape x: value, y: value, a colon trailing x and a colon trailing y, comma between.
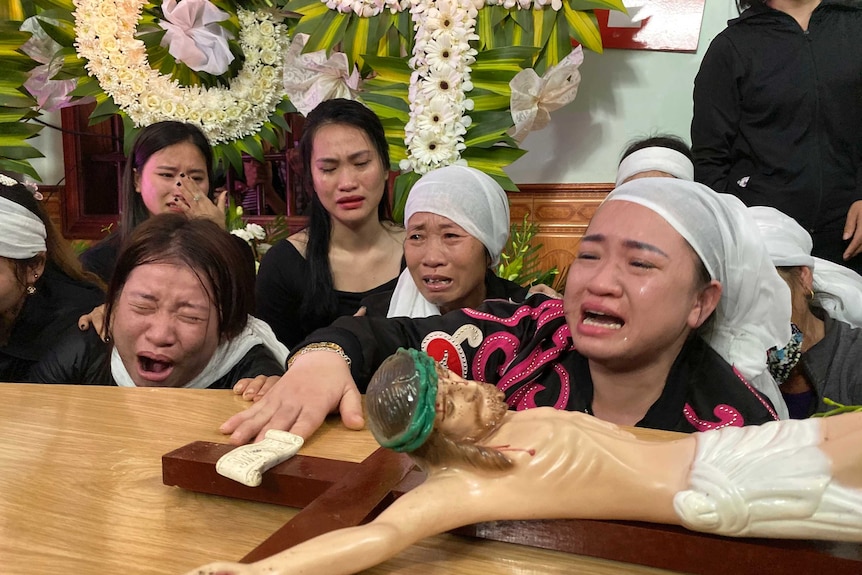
x: 196, y: 198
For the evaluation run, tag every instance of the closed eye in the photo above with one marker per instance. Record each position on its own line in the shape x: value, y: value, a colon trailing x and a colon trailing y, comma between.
x: 143, y: 309
x: 642, y: 264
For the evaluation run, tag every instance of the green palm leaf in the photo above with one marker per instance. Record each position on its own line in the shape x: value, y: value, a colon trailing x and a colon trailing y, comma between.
x: 584, y: 27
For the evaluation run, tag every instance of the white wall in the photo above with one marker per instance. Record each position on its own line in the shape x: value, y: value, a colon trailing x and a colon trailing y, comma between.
x: 624, y: 95
x: 50, y: 143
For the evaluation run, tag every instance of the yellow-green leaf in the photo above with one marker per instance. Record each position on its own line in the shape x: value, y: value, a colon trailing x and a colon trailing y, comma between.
x: 328, y: 32
x: 584, y: 28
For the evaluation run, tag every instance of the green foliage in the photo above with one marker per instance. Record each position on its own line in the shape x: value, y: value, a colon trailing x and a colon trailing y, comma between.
x: 276, y: 230
x: 838, y: 408
x: 80, y: 246
x: 519, y: 261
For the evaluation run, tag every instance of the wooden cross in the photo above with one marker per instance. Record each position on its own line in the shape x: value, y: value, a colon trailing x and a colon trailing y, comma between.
x: 334, y: 494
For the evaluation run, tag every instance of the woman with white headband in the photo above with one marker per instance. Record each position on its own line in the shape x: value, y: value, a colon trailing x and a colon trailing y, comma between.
x: 824, y: 358
x: 670, y: 307
x: 661, y: 156
x: 457, y: 221
x: 43, y: 289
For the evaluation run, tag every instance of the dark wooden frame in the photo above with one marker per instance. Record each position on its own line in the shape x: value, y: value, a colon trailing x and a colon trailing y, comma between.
x: 561, y: 211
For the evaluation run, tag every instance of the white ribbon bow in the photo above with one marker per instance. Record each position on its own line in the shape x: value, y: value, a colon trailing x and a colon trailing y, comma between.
x: 311, y: 78
x: 533, y: 98
x: 193, y: 36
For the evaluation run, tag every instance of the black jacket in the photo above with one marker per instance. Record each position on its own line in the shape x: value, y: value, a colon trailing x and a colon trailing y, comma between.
x: 778, y: 113
x: 81, y: 357
x: 495, y: 288
x: 55, y: 306
x: 101, y: 258
x: 526, y: 350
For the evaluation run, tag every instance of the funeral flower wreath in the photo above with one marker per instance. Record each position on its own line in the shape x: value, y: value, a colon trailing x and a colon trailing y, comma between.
x: 106, y: 40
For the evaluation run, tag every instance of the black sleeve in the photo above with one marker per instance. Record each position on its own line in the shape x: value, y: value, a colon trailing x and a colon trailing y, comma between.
x: 78, y: 357
x: 370, y: 340
x: 377, y: 304
x: 101, y: 258
x: 715, y: 124
x: 278, y: 292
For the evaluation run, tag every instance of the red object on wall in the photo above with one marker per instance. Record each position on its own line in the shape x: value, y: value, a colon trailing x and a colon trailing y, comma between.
x: 669, y: 25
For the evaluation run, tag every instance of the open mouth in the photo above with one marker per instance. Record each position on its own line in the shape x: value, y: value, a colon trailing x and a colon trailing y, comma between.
x: 607, y: 321
x: 436, y: 284
x: 154, y: 369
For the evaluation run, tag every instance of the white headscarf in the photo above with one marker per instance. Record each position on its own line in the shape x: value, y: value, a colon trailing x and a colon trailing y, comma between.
x: 22, y: 233
x: 655, y: 158
x: 471, y: 199
x: 837, y: 289
x: 225, y: 357
x: 753, y: 314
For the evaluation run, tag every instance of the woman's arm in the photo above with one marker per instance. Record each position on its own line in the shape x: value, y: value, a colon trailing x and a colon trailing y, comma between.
x: 310, y: 390
x: 316, y: 384
x: 77, y: 357
x: 278, y: 292
x: 715, y: 124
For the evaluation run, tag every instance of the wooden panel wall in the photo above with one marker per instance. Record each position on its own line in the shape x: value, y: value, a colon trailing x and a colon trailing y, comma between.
x: 562, y: 212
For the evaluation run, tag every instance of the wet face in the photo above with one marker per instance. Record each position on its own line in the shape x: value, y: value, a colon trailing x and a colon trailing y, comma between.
x: 633, y: 293
x: 157, y: 180
x: 347, y: 173
x: 467, y: 410
x: 447, y: 264
x: 165, y: 326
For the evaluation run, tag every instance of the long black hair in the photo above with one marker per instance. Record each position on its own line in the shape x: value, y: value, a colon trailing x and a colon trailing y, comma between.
x: 319, y: 303
x: 150, y: 140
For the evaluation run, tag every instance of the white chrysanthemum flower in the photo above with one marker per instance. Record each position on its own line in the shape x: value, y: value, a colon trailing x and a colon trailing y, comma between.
x: 118, y: 61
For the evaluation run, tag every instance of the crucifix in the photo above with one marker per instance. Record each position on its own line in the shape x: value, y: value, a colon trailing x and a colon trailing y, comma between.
x: 334, y: 494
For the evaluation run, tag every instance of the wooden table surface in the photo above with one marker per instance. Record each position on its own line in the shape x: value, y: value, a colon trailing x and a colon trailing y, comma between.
x: 81, y: 491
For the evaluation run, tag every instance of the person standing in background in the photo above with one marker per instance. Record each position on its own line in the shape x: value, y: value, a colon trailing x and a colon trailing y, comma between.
x: 777, y: 117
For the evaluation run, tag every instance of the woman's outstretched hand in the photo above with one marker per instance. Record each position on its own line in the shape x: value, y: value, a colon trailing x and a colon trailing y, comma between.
x: 317, y: 384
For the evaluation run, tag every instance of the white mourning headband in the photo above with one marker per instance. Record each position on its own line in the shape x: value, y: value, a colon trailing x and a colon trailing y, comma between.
x: 656, y: 158
x: 22, y: 233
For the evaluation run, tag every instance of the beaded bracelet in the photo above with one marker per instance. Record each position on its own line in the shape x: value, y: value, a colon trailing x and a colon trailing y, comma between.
x: 321, y: 346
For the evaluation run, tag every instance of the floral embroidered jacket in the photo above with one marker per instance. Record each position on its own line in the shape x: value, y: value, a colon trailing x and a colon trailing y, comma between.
x: 526, y: 351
